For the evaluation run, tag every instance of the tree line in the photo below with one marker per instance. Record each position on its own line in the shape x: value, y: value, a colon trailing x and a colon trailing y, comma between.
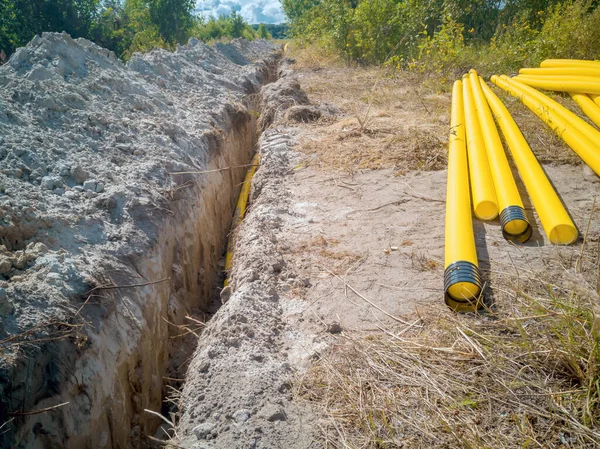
x: 121, y: 26
x: 444, y: 33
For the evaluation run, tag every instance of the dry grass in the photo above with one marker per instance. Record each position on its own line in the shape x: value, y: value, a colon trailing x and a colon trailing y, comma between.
x: 523, y: 374
x: 386, y: 119
x: 392, y: 119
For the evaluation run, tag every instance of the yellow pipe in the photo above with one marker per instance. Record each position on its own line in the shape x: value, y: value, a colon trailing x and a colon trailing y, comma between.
x: 575, y: 139
x: 555, y: 220
x: 582, y: 84
x: 591, y: 133
x: 595, y: 99
x: 550, y: 63
x: 462, y: 279
x: 240, y: 212
x: 565, y: 71
x: 587, y: 105
x: 485, y: 202
x: 515, y: 226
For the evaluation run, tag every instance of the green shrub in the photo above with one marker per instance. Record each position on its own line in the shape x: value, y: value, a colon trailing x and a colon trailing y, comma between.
x: 444, y: 49
x: 445, y: 37
x: 512, y: 45
x: 570, y: 30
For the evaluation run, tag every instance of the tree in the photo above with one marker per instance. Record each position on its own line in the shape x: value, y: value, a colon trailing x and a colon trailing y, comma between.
x: 112, y: 28
x: 297, y: 10
x: 235, y: 25
x: 23, y: 19
x: 173, y: 18
x: 262, y: 32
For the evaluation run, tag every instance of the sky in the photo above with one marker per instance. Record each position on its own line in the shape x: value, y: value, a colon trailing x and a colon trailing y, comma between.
x: 254, y: 11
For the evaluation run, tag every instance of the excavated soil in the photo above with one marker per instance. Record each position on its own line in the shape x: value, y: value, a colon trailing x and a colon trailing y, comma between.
x: 117, y: 188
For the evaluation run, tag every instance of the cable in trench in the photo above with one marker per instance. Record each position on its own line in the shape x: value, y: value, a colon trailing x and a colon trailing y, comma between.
x: 240, y: 211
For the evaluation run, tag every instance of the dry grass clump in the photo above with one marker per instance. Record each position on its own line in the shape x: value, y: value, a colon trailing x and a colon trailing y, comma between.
x: 524, y: 374
x: 312, y: 57
x: 376, y: 147
x: 386, y: 120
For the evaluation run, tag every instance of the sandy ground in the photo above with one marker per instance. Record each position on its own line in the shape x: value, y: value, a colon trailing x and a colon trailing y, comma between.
x: 381, y: 236
x: 333, y: 247
x: 380, y: 233
x: 359, y: 217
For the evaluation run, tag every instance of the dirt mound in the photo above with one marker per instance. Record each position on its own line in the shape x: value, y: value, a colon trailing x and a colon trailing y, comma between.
x: 89, y: 202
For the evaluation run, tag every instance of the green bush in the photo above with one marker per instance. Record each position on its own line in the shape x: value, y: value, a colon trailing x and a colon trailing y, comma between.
x: 570, y: 30
x: 449, y: 36
x: 444, y: 49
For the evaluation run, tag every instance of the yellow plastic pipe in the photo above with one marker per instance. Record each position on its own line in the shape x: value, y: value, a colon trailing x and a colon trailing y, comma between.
x: 555, y: 220
x: 591, y: 133
x: 462, y: 279
x: 582, y: 84
x: 570, y: 63
x: 572, y: 137
x: 595, y: 99
x: 240, y: 212
x: 515, y: 226
x: 564, y: 71
x: 587, y: 105
x: 485, y: 202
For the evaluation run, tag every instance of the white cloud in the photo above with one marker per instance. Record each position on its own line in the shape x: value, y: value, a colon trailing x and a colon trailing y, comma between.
x: 254, y: 11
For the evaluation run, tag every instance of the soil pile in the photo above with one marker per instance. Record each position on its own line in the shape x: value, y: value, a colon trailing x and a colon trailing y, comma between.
x: 88, y: 200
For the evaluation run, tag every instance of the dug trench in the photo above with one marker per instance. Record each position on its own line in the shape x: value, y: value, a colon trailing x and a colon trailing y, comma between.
x: 94, y: 306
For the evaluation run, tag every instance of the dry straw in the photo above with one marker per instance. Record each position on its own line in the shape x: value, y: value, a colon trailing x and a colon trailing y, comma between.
x: 524, y: 374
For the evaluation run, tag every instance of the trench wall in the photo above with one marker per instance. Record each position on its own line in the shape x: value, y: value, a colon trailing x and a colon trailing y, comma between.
x: 109, y: 361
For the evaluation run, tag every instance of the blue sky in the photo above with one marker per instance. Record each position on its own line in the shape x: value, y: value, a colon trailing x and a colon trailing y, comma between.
x: 254, y: 11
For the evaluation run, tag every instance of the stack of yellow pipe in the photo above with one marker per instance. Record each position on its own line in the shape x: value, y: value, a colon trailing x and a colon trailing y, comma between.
x: 515, y: 226
x: 581, y: 79
x: 476, y: 154
x: 552, y: 214
x: 493, y: 188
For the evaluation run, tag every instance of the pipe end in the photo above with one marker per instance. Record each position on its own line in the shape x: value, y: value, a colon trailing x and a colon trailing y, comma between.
x: 515, y: 225
x: 463, y: 286
x: 563, y: 234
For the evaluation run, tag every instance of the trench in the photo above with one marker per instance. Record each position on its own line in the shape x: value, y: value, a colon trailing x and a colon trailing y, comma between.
x: 212, y: 275
x: 136, y: 356
x: 191, y: 253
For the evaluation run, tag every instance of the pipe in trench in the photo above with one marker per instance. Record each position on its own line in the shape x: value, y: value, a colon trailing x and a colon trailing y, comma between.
x: 515, y: 226
x: 240, y: 212
x: 564, y: 71
x: 462, y: 279
x: 485, y: 201
x: 585, y: 149
x: 583, y: 63
x: 591, y: 133
x: 555, y: 220
x: 587, y: 105
x: 566, y: 83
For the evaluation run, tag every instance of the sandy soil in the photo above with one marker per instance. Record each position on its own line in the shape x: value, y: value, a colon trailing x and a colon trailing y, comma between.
x: 104, y: 247
x: 357, y: 219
